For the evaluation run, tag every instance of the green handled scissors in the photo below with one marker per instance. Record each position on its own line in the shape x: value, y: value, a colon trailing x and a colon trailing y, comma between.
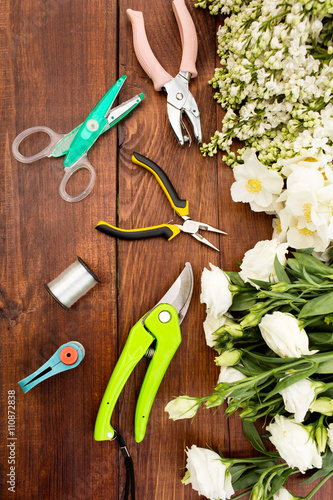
x: 76, y: 144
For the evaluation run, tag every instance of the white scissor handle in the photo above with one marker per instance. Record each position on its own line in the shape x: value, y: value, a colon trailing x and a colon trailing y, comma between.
x: 83, y: 162
x: 54, y: 140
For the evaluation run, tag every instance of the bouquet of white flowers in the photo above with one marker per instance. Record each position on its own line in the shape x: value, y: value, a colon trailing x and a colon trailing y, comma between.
x: 276, y: 85
x: 271, y: 325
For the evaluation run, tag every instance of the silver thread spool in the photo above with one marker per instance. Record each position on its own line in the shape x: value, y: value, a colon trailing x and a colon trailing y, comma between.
x: 72, y: 284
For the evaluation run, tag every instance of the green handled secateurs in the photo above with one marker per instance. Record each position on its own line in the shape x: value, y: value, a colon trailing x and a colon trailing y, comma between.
x: 168, y: 231
x: 160, y: 327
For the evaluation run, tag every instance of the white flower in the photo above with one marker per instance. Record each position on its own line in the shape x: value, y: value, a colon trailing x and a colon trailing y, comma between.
x: 283, y: 335
x: 258, y: 263
x: 294, y: 444
x: 229, y: 374
x: 330, y: 436
x: 298, y: 397
x: 283, y: 494
x: 215, y: 291
x: 208, y: 474
x: 255, y: 182
x: 182, y: 407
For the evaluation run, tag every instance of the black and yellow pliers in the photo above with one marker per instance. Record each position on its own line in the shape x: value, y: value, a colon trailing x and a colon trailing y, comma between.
x: 168, y: 231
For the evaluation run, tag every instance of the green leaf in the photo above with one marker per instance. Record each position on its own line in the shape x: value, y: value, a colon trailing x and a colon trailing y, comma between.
x: 318, y: 306
x: 242, y: 302
x: 253, y: 436
x: 292, y: 379
x: 236, y: 279
x: 312, y: 264
x: 246, y: 481
x: 325, y: 368
x: 313, y: 281
x: 320, y: 338
x: 280, y: 272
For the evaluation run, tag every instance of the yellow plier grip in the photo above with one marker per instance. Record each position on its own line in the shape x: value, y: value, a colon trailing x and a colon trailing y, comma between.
x: 180, y: 206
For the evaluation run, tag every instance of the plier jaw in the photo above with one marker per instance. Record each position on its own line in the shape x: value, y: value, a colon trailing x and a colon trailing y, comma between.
x: 180, y: 101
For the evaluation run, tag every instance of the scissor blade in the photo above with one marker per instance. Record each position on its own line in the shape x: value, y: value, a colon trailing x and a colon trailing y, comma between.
x: 180, y: 293
x: 118, y: 113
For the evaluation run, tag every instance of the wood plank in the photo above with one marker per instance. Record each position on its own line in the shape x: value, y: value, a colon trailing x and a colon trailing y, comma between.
x: 54, y: 75
x: 60, y: 57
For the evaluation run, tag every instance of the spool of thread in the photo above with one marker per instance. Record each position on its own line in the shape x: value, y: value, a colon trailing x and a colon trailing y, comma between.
x: 72, y: 284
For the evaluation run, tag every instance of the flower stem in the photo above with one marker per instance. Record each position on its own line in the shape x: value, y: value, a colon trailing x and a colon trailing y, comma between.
x: 319, y: 485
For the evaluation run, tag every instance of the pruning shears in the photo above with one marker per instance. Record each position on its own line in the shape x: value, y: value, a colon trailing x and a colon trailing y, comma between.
x: 160, y: 328
x: 168, y: 231
x: 76, y: 144
x: 179, y: 98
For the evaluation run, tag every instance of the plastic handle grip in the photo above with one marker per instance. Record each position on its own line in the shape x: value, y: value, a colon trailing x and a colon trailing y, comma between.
x: 168, y: 338
x: 144, y: 53
x: 54, y: 140
x: 69, y: 171
x: 167, y: 231
x: 188, y: 36
x: 180, y: 206
x: 136, y: 346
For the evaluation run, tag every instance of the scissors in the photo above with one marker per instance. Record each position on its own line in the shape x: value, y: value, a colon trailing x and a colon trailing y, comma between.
x: 76, y: 144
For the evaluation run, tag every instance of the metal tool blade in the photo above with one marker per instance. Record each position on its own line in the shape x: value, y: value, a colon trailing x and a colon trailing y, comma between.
x: 180, y: 293
x: 116, y: 114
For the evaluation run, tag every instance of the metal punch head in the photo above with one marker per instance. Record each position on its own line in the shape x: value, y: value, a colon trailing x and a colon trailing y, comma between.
x: 180, y: 101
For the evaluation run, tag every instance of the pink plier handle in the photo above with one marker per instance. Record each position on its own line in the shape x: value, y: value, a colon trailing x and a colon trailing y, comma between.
x: 188, y: 36
x: 145, y: 54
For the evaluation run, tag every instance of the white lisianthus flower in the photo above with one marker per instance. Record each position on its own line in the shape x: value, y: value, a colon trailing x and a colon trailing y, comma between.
x: 258, y: 263
x: 215, y: 291
x: 283, y: 335
x: 294, y: 444
x: 229, y: 374
x: 330, y: 436
x: 283, y: 494
x: 182, y: 407
x: 298, y: 398
x: 208, y: 474
x: 255, y: 183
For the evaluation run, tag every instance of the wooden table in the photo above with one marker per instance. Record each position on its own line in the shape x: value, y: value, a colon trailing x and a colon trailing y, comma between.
x: 59, y: 58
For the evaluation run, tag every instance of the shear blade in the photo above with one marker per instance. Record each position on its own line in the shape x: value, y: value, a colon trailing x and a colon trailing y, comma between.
x: 180, y: 293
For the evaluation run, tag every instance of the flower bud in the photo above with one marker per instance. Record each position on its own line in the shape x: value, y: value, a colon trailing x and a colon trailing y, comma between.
x: 248, y: 413
x: 229, y: 358
x: 323, y: 406
x: 321, y: 438
x: 234, y: 329
x: 214, y: 400
x: 182, y: 407
x: 249, y: 320
x: 280, y: 287
x: 257, y: 492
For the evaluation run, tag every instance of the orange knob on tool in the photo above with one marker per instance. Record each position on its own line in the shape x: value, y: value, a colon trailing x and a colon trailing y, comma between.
x: 68, y: 355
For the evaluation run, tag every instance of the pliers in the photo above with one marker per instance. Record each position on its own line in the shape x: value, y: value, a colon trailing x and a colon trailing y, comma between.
x: 160, y: 328
x: 168, y: 231
x: 179, y: 97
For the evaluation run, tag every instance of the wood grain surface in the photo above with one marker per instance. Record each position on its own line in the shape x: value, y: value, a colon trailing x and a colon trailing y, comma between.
x: 58, y: 58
